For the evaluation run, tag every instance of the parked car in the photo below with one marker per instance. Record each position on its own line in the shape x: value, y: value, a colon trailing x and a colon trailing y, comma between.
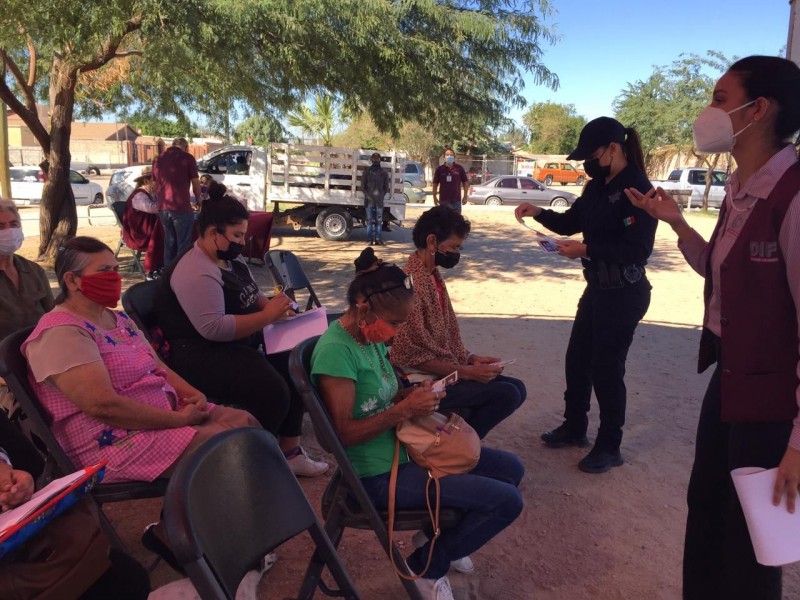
x: 27, y: 186
x: 413, y: 194
x: 694, y: 180
x: 515, y: 190
x: 121, y: 183
x: 558, y: 172
x: 85, y: 167
x: 415, y: 174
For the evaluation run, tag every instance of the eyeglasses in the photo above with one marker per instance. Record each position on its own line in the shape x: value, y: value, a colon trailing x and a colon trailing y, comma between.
x: 407, y: 283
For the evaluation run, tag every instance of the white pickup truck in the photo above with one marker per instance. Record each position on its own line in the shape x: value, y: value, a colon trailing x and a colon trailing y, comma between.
x: 316, y: 186
x: 694, y: 180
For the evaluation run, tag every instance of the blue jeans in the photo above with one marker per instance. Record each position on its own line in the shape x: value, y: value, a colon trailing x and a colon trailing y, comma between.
x: 374, y: 222
x: 177, y: 233
x: 488, y: 494
x: 488, y: 403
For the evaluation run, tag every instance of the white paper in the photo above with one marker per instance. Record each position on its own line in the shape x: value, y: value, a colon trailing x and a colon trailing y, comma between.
x: 774, y: 531
x: 10, y: 518
x: 286, y: 334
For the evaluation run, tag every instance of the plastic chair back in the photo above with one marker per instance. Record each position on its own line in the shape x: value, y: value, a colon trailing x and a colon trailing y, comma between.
x: 139, y: 302
x: 232, y: 501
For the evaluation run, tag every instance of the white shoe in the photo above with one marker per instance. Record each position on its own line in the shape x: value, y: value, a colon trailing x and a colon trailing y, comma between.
x: 462, y: 565
x: 435, y: 589
x: 302, y: 465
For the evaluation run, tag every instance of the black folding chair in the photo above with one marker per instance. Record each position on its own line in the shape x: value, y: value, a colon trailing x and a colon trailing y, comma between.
x: 118, y: 209
x: 288, y: 273
x: 345, y: 502
x: 37, y: 422
x: 231, y: 502
x: 139, y: 302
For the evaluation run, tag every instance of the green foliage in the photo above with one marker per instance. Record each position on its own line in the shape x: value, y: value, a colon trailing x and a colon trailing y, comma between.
x: 454, y: 65
x: 263, y: 129
x: 554, y: 127
x: 150, y: 124
x: 319, y: 121
x: 663, y: 106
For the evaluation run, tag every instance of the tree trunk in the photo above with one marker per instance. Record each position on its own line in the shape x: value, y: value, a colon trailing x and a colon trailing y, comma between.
x: 58, y: 218
x: 709, y: 175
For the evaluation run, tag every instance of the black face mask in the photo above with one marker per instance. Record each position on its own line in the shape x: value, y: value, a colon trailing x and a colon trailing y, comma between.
x: 376, y: 164
x: 234, y: 250
x: 595, y: 170
x: 446, y: 260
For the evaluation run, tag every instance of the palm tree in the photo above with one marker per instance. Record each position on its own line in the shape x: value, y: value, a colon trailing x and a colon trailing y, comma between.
x: 319, y: 121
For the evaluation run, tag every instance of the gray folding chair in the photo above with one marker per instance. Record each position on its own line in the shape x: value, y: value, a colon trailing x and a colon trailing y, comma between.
x: 231, y: 502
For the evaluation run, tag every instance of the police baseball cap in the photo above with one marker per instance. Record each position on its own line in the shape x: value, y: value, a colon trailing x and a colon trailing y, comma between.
x: 597, y: 133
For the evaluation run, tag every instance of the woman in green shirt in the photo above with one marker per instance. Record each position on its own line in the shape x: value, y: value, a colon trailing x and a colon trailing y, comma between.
x: 360, y: 390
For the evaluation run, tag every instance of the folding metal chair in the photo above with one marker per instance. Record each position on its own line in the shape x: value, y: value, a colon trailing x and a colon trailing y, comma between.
x: 231, y: 502
x: 345, y: 502
x: 118, y: 208
x: 37, y: 422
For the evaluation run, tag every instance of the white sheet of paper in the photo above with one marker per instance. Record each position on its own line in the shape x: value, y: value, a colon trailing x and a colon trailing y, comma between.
x: 15, y: 515
x: 285, y: 334
x: 774, y: 532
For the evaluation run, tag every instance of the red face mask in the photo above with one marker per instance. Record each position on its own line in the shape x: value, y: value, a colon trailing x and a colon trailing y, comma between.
x: 103, y: 288
x: 378, y: 331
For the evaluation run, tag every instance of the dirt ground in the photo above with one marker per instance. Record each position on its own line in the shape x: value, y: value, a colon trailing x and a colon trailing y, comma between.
x: 613, y: 536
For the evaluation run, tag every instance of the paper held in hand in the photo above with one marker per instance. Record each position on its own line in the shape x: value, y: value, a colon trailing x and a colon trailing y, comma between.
x: 286, y: 334
x: 774, y: 531
x: 545, y: 242
x: 20, y: 523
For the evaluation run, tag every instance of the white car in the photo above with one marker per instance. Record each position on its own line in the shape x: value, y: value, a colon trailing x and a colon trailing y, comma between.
x: 27, y: 185
x: 122, y: 183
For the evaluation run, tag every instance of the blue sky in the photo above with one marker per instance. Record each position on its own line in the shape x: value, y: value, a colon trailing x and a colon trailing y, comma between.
x: 606, y: 44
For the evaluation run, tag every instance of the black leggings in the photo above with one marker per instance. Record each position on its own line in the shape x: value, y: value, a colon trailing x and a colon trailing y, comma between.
x: 238, y: 375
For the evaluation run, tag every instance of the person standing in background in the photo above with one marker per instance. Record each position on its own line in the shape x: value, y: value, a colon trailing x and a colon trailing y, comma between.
x: 451, y: 178
x: 176, y: 177
x: 375, y: 185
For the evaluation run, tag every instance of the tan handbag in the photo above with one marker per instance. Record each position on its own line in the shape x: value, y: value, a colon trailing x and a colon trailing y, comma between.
x: 443, y: 445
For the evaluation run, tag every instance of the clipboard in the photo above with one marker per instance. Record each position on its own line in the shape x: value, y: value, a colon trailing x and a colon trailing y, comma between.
x: 26, y: 520
x: 284, y: 335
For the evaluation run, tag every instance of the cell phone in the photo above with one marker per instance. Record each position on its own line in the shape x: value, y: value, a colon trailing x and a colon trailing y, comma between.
x: 440, y: 384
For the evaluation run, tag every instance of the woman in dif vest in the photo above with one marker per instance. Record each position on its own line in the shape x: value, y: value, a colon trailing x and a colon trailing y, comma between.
x: 751, y: 265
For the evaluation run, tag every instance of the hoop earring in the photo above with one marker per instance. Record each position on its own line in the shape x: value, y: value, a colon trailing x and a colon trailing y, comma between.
x: 362, y: 323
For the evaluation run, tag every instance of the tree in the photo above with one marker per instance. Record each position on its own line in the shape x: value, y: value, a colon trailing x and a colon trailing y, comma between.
x: 320, y: 121
x: 151, y: 124
x: 384, y: 59
x: 261, y: 129
x: 554, y: 127
x: 663, y: 106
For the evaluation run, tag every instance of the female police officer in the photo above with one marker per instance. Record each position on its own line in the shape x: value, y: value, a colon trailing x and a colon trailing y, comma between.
x: 617, y: 240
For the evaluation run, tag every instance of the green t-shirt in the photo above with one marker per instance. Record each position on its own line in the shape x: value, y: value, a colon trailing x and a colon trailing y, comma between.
x: 337, y: 354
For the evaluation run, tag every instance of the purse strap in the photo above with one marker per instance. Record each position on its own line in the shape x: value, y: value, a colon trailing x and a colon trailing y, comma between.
x: 434, y: 515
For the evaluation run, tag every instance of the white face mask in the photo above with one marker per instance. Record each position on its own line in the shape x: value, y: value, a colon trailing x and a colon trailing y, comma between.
x: 10, y: 240
x: 713, y: 130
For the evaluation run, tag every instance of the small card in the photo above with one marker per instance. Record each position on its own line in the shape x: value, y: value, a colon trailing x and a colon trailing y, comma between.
x: 545, y: 242
x: 504, y: 363
x: 439, y: 385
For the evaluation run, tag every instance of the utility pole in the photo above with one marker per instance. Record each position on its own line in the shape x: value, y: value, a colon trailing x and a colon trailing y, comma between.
x: 5, y: 177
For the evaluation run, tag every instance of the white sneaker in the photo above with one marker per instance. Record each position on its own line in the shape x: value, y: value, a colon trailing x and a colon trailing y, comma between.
x: 435, y: 589
x: 302, y: 465
x: 462, y: 565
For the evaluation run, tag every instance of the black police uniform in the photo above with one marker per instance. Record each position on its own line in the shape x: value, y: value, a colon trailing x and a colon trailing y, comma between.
x: 619, y: 239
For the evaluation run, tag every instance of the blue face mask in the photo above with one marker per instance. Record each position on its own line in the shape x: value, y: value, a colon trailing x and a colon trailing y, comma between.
x: 449, y: 159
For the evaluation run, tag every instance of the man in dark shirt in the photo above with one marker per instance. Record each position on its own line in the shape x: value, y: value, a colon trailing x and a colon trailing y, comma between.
x: 175, y: 173
x: 452, y: 179
x: 375, y: 185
